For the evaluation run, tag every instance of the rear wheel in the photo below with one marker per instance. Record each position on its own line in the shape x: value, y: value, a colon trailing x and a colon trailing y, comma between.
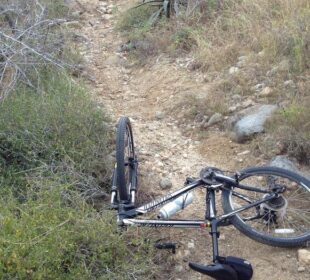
x: 125, y: 160
x: 283, y: 221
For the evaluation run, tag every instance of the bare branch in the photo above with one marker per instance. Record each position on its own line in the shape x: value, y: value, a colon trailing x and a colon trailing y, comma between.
x: 29, y: 40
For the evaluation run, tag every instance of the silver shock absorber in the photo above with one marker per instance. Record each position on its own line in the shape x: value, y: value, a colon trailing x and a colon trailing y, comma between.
x: 114, y: 190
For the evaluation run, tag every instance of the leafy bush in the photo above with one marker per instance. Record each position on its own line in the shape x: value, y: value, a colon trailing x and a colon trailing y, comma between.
x: 46, y: 239
x: 183, y: 39
x: 55, y: 143
x: 291, y: 128
x: 60, y: 130
x: 135, y: 20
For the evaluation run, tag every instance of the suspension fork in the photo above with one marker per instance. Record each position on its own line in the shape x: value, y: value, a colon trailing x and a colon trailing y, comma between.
x: 211, y: 216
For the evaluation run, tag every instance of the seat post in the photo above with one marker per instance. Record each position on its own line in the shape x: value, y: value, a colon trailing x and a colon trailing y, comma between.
x: 215, y: 235
x: 211, y: 216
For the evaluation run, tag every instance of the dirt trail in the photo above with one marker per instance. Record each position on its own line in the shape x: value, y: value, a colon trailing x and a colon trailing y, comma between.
x: 147, y: 95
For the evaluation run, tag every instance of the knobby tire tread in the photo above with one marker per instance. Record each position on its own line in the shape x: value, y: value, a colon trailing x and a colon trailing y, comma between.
x: 120, y: 154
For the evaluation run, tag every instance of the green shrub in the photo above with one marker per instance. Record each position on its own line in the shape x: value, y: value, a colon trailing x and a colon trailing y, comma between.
x: 135, y: 19
x: 56, y: 8
x: 291, y: 128
x: 59, y: 130
x: 183, y: 39
x: 46, y: 239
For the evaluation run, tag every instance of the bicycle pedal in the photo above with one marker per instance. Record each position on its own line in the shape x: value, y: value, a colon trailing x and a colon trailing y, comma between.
x: 166, y: 246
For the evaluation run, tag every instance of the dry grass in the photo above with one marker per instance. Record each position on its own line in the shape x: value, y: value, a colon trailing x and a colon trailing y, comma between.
x: 217, y: 34
x: 278, y: 27
x: 273, y: 36
x: 290, y: 129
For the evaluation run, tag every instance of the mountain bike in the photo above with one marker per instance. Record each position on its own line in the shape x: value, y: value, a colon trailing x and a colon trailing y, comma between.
x: 268, y: 204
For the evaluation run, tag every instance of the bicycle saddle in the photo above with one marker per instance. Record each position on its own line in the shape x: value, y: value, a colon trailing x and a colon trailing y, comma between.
x: 229, y: 268
x: 217, y: 271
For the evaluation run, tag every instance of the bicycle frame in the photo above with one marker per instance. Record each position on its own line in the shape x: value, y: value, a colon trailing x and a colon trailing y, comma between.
x: 126, y: 217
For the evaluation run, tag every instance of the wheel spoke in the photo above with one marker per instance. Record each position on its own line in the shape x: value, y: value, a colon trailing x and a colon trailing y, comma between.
x: 284, y: 217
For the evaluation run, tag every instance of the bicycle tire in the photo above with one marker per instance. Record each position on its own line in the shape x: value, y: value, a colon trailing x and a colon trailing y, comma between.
x: 125, y: 155
x: 268, y: 229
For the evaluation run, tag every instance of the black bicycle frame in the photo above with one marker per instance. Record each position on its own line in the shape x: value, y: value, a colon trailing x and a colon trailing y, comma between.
x: 126, y: 217
x: 211, y: 221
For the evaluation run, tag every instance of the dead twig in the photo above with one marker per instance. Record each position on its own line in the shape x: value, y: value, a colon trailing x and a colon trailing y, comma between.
x: 29, y: 40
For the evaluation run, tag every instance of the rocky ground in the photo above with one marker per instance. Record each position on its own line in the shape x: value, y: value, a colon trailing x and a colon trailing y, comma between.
x: 169, y: 150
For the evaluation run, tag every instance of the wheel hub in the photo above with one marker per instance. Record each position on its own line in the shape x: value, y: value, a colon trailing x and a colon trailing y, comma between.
x: 276, y: 203
x: 273, y: 209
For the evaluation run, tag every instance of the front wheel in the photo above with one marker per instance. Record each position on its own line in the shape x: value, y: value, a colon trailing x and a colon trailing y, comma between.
x: 126, y: 165
x: 283, y: 221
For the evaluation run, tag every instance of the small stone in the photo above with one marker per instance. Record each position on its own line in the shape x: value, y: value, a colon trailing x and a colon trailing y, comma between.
x: 232, y: 109
x: 233, y: 70
x: 165, y: 183
x: 178, y: 268
x: 76, y: 14
x: 244, y: 153
x: 248, y: 103
x: 242, y: 58
x: 301, y: 269
x: 205, y: 118
x: 242, y: 61
x: 186, y: 255
x: 288, y: 256
x: 159, y: 115
x: 106, y: 16
x: 289, y: 84
x: 191, y: 245
x: 258, y: 87
x: 236, y: 97
x: 265, y: 91
x: 222, y: 237
x: 261, y: 54
x: 216, y: 118
x: 160, y: 164
x: 304, y: 256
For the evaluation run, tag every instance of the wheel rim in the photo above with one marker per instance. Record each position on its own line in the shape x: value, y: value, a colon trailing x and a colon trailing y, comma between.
x: 288, y: 217
x: 128, y: 158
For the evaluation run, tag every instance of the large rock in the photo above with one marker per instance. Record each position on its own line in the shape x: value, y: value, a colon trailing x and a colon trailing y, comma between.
x: 252, y: 123
x: 283, y: 162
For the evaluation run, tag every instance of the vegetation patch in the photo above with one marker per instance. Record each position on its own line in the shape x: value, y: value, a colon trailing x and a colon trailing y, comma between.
x: 291, y: 129
x: 55, y: 145
x: 58, y: 130
x: 45, y: 238
x: 249, y: 50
